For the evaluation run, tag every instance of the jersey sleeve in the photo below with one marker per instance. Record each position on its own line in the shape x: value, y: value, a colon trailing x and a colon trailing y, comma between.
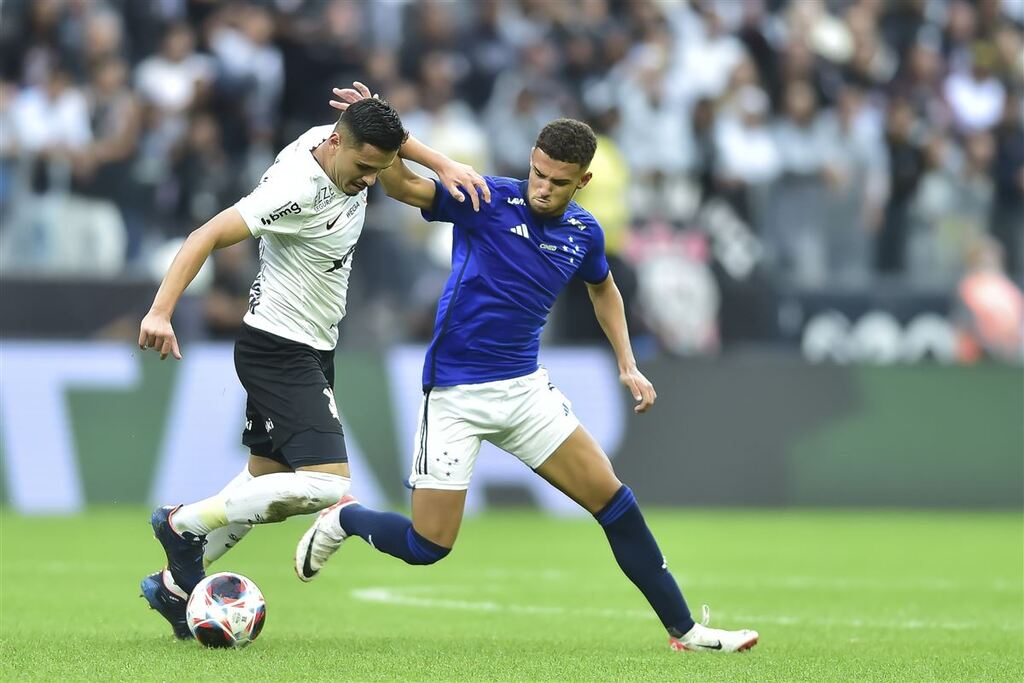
x: 446, y: 209
x: 594, y: 267
x: 274, y: 206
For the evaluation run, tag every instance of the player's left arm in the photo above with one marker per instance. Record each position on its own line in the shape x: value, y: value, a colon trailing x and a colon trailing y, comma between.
x: 611, y: 314
x: 451, y: 173
x: 402, y: 183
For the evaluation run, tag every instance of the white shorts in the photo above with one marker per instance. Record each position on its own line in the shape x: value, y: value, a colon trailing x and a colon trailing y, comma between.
x: 526, y: 416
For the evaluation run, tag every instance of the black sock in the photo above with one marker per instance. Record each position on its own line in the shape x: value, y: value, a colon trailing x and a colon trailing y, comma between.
x: 638, y: 556
x: 391, y: 533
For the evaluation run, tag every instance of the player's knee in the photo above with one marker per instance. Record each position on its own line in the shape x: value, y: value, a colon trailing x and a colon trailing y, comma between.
x: 319, y: 490
x: 423, y: 551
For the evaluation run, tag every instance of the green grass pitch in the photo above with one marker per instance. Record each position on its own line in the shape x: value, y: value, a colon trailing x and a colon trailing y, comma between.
x: 865, y: 596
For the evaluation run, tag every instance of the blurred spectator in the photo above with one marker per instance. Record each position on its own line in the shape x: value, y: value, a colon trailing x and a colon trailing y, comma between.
x: 656, y: 136
x: 522, y: 101
x: 990, y: 307
x: 250, y: 67
x: 906, y: 166
x: 952, y: 208
x: 51, y: 126
x: 175, y: 78
x: 8, y: 150
x: 226, y: 301
x: 103, y: 169
x: 920, y: 83
x: 1008, y: 171
x: 797, y: 239
x: 202, y: 177
x: 170, y: 83
x: 833, y: 128
x: 856, y: 174
x: 746, y: 154
x: 976, y: 96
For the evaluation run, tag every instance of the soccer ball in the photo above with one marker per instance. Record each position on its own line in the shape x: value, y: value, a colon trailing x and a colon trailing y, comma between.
x: 226, y: 610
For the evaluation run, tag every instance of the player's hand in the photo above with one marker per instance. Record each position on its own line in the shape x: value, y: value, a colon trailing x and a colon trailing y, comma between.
x: 347, y: 96
x: 156, y: 333
x: 454, y: 176
x: 641, y: 388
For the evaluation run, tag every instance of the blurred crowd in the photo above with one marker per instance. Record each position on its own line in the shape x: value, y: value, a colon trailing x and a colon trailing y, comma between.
x: 802, y: 143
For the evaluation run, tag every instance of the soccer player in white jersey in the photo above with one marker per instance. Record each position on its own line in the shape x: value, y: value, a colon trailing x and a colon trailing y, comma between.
x: 481, y: 380
x: 308, y: 212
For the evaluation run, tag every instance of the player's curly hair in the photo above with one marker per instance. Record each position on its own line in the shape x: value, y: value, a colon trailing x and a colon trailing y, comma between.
x: 568, y: 140
x: 374, y: 121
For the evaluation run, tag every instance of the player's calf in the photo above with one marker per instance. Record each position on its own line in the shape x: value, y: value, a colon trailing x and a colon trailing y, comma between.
x: 387, y: 532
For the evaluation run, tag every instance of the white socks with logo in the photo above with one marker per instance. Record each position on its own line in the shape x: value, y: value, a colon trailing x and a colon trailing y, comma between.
x: 275, y: 497
x: 248, y: 500
x: 222, y: 539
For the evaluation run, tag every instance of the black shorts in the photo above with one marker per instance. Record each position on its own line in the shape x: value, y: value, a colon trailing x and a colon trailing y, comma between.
x: 290, y: 413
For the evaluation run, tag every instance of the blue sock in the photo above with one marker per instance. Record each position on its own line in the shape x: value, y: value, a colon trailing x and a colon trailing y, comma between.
x: 390, y: 533
x: 638, y: 556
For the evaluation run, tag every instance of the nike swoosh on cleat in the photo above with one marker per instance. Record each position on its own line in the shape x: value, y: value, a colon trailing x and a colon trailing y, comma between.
x: 307, y: 568
x: 716, y: 646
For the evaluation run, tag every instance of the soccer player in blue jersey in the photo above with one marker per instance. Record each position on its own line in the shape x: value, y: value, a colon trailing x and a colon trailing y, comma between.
x: 481, y: 379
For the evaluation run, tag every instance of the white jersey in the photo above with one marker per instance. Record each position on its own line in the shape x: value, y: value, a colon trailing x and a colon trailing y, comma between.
x: 308, y: 230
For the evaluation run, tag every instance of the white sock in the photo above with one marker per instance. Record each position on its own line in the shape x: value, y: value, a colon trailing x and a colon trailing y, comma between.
x: 223, y: 539
x: 199, y: 518
x: 275, y: 497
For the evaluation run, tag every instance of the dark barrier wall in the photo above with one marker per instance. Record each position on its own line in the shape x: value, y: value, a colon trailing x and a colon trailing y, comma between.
x: 762, y: 430
x: 84, y: 423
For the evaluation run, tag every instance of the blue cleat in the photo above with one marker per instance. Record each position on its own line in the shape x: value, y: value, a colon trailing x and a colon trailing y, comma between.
x: 184, y: 552
x: 168, y: 600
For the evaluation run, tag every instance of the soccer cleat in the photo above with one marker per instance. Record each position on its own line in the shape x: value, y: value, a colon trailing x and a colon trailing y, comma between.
x: 170, y: 601
x: 184, y: 552
x: 320, y: 541
x: 702, y: 638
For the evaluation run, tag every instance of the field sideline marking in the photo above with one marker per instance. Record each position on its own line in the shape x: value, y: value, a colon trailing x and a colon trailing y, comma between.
x: 799, y: 582
x: 405, y: 597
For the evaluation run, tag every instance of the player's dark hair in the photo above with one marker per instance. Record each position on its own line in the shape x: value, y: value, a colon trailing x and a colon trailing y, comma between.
x: 373, y: 121
x: 568, y: 140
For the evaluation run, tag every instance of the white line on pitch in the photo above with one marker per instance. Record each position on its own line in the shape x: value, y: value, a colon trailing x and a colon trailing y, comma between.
x: 404, y: 597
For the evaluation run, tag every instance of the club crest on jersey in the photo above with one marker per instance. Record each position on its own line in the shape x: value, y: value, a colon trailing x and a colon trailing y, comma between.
x: 283, y: 210
x: 323, y: 197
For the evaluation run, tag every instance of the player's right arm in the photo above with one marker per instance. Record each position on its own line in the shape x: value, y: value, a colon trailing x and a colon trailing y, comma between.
x: 224, y: 229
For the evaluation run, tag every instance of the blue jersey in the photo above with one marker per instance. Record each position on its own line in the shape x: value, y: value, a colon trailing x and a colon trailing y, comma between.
x: 508, y: 266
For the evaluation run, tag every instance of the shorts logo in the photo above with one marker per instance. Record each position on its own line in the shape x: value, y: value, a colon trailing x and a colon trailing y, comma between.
x: 331, y: 405
x: 268, y: 425
x: 248, y: 425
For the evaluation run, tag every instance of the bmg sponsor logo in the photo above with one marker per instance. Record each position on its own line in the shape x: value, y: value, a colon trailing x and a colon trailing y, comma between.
x: 283, y: 210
